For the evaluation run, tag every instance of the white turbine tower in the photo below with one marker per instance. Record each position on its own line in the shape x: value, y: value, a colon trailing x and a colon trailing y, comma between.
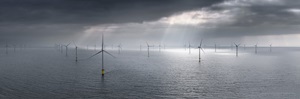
x: 237, y: 49
x: 102, y: 51
x: 255, y: 48
x: 76, y: 48
x: 270, y: 47
x: 159, y: 47
x: 215, y: 47
x: 200, y: 48
x: 148, y: 48
x: 67, y: 48
x: 119, y: 48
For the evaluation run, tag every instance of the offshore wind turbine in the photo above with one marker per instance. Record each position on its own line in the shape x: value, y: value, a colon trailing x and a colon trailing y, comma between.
x: 159, y: 47
x: 102, y: 51
x: 255, y: 48
x: 270, y: 47
x: 244, y: 46
x: 67, y: 48
x: 76, y: 58
x: 119, y: 48
x: 148, y: 48
x: 237, y: 49
x: 200, y: 48
x: 95, y: 47
x: 215, y: 47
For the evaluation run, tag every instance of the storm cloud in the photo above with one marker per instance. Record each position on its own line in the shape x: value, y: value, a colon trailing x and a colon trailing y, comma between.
x: 173, y: 21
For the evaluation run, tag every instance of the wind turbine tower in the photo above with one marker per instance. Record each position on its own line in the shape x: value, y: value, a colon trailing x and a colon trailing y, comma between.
x: 102, y: 51
x: 237, y: 49
x: 200, y: 48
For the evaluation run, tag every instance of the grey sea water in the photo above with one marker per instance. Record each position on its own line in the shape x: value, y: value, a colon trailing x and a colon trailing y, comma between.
x: 171, y: 73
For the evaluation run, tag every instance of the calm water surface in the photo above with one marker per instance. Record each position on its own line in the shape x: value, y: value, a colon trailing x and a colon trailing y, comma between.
x: 171, y: 73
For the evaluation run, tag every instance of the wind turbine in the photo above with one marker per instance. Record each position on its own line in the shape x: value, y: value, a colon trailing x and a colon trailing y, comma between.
x: 270, y: 47
x: 102, y: 51
x: 244, y: 46
x: 200, y: 48
x: 215, y: 47
x: 67, y: 49
x: 237, y: 49
x: 76, y: 58
x: 120, y: 48
x: 95, y: 47
x: 255, y: 48
x: 159, y: 47
x: 148, y: 48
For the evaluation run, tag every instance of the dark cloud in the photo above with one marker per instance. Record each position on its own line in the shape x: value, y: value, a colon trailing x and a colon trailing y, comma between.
x: 92, y: 11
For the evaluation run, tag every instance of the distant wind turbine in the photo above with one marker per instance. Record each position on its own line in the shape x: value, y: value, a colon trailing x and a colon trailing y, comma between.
x: 102, y: 51
x: 215, y: 47
x: 255, y: 48
x: 159, y: 47
x: 237, y: 49
x: 76, y: 58
x: 200, y: 48
x: 270, y: 47
x: 120, y: 48
x: 148, y: 48
x: 67, y: 48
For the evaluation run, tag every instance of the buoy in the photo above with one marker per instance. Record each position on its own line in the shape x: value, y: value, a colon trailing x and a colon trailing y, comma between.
x: 102, y: 72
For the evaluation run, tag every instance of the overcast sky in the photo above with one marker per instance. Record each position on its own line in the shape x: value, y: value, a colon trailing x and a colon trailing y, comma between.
x: 133, y: 22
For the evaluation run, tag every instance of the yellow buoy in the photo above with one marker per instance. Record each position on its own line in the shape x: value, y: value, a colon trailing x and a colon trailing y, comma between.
x: 102, y: 72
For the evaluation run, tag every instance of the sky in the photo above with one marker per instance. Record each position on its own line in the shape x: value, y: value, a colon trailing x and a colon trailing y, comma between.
x: 134, y: 22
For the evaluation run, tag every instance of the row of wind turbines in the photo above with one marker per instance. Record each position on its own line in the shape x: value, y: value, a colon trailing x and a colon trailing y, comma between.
x: 102, y: 50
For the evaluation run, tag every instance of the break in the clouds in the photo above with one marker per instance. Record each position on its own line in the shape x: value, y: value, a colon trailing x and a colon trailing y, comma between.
x: 171, y: 21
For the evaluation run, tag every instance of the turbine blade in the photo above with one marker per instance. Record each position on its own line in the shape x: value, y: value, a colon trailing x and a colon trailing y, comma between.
x: 201, y: 42
x: 109, y: 54
x: 74, y: 43
x: 68, y: 44
x: 95, y: 54
x: 202, y: 50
